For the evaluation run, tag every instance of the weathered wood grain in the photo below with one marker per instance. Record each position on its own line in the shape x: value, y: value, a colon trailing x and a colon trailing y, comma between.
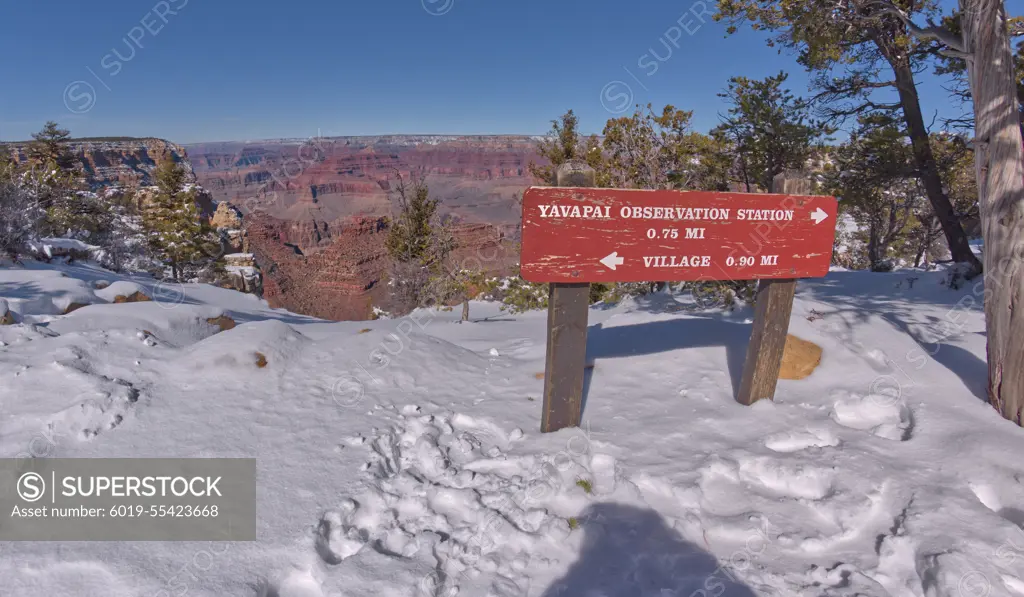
x: 576, y: 234
x: 568, y: 306
x: 774, y: 307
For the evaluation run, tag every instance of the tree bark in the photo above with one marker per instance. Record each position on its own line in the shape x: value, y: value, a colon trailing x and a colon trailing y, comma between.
x: 873, y: 243
x: 465, y: 310
x: 999, y: 160
x: 959, y: 248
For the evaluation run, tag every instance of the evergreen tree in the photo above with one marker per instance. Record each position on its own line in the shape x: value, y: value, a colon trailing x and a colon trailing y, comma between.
x: 769, y: 130
x: 848, y: 46
x: 660, y: 151
x: 983, y: 40
x: 563, y: 143
x: 6, y: 158
x: 50, y: 146
x: 873, y: 176
x: 178, y: 234
x: 420, y: 244
x: 519, y: 296
x: 19, y: 214
x: 59, y: 186
x: 956, y: 66
x: 412, y: 230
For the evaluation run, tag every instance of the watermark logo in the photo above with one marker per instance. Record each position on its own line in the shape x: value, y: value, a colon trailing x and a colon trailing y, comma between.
x: 974, y: 584
x: 347, y: 391
x: 617, y: 97
x: 31, y: 487
x: 79, y: 97
x: 438, y: 8
x: 168, y: 294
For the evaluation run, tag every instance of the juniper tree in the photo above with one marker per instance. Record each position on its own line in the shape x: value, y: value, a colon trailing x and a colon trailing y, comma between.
x: 956, y: 67
x: 563, y: 143
x: 873, y: 176
x: 984, y: 44
x: 648, y: 150
x: 857, y: 56
x: 769, y: 129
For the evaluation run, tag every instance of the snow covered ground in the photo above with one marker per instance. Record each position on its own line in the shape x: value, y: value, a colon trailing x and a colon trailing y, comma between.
x: 402, y: 457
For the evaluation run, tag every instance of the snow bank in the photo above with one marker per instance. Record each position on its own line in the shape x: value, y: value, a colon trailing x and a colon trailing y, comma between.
x: 43, y: 292
x: 52, y: 246
x: 242, y: 348
x: 122, y: 288
x: 402, y: 457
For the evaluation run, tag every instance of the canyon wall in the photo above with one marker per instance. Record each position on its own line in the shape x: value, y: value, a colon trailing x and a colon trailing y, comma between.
x: 339, y: 271
x: 477, y: 177
x: 120, y: 162
x: 315, y: 209
x: 313, y: 212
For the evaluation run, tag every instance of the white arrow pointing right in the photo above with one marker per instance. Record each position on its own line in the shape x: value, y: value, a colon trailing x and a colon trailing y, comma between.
x: 819, y: 215
x: 612, y: 261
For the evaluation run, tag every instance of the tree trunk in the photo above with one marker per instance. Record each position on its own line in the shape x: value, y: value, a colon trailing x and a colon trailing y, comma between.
x: 999, y: 160
x: 465, y: 310
x: 959, y: 248
x: 873, y: 244
x: 1020, y: 107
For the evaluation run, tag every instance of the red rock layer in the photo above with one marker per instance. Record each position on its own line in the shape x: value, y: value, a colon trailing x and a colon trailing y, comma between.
x: 478, y: 177
x: 341, y: 276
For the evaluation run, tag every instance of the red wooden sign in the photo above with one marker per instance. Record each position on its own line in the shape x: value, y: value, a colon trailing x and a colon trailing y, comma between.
x: 619, y: 235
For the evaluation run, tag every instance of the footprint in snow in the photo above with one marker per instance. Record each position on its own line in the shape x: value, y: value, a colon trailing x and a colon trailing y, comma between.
x: 881, y: 415
x: 602, y: 467
x: 1013, y: 583
x: 795, y: 481
x: 795, y: 441
x: 995, y: 500
x: 336, y: 539
x: 297, y: 583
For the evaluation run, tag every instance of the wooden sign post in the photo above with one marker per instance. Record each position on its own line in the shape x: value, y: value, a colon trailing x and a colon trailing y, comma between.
x: 574, y: 234
x: 568, y: 305
x: 772, y: 310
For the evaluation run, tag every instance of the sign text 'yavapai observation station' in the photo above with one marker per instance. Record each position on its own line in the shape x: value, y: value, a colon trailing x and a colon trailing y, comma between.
x: 620, y: 235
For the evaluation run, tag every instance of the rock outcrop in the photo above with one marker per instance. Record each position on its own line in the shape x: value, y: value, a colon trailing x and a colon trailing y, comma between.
x: 243, y: 273
x: 342, y: 277
x: 6, y: 317
x: 226, y: 216
x: 120, y: 161
x: 799, y: 358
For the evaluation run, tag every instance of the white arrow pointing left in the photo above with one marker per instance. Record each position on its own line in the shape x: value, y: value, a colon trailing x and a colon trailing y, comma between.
x: 819, y: 215
x: 612, y: 261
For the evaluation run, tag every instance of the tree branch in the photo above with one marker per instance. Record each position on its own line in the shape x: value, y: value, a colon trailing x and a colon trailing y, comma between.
x: 933, y: 32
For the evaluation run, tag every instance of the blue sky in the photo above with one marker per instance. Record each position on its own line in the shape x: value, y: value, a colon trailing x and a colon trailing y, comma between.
x: 208, y: 70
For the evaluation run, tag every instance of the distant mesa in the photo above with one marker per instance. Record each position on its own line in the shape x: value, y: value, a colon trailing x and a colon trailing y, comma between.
x: 120, y: 161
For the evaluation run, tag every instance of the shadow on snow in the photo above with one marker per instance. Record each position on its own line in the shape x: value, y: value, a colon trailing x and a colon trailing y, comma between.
x: 631, y: 552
